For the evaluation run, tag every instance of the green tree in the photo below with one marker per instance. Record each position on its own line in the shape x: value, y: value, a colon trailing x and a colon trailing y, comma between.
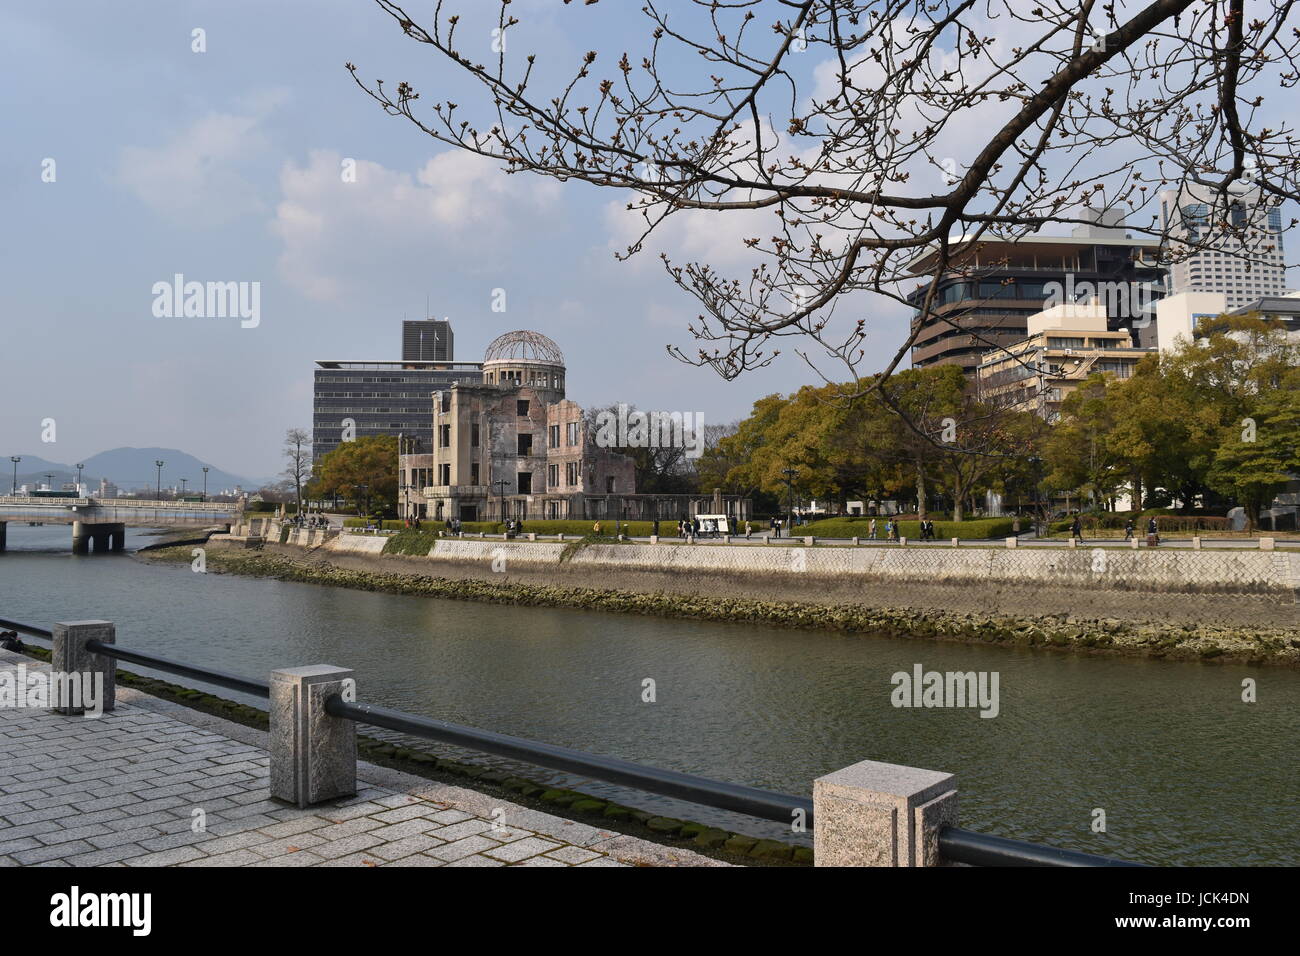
x: 1259, y: 455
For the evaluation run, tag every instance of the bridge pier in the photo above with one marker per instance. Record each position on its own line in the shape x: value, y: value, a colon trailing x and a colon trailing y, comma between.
x: 98, y: 538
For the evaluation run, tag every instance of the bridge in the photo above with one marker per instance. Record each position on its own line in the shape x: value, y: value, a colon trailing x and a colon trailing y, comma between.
x: 99, y: 524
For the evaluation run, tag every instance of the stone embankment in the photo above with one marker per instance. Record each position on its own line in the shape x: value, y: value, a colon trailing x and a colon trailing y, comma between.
x: 1209, y: 605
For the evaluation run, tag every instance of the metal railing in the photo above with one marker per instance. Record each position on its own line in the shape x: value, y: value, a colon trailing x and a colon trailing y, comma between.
x: 143, y: 503
x: 955, y: 844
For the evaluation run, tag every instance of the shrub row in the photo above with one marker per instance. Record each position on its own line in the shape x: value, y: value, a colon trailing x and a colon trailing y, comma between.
x: 858, y: 528
x: 638, y: 529
x: 1112, y: 521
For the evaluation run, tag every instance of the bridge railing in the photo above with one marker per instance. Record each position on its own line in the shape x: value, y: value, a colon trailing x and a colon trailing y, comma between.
x: 220, y: 507
x: 854, y: 813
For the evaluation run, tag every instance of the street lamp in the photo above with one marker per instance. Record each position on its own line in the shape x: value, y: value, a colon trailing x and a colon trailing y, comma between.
x: 49, y: 481
x: 159, y: 464
x: 15, y: 459
x: 205, y: 482
x: 502, y: 482
x: 79, y: 467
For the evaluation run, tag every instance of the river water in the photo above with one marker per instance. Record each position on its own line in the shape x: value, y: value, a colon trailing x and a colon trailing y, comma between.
x: 1185, y: 772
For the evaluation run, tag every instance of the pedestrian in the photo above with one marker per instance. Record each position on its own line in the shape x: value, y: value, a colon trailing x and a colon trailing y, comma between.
x: 1076, y: 529
x: 871, y: 529
x: 1128, y: 530
x: 1153, y: 532
x: 655, y: 530
x: 596, y: 528
x: 748, y: 530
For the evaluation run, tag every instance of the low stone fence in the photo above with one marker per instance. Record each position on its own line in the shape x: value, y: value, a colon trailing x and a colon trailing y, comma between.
x: 868, y: 814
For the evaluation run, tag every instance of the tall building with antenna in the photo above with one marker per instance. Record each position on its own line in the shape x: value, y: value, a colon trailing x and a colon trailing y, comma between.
x: 427, y: 340
x: 361, y: 397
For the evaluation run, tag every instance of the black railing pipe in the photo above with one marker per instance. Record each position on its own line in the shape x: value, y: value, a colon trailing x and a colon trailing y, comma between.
x: 981, y: 849
x: 225, y: 679
x: 26, y: 629
x: 764, y: 804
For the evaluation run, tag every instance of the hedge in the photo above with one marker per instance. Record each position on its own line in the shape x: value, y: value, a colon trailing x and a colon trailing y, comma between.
x: 391, y: 524
x: 1115, y: 521
x: 638, y: 529
x: 858, y: 528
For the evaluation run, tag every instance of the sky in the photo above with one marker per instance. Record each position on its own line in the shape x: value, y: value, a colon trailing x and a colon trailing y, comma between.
x: 127, y: 158
x: 225, y: 165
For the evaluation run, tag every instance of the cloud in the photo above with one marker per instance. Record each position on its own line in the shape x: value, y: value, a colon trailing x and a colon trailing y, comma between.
x: 339, y: 217
x: 197, y: 177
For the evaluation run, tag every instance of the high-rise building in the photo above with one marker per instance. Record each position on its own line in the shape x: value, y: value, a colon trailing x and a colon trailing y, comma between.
x: 427, y: 340
x: 1241, y: 237
x: 362, y: 398
x: 990, y: 288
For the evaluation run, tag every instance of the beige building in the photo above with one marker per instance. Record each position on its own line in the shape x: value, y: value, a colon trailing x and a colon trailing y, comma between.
x: 1065, y: 344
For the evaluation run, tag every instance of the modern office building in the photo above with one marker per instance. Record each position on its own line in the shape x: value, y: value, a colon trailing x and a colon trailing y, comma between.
x: 378, y: 397
x: 1242, y: 238
x: 1065, y: 345
x: 991, y: 288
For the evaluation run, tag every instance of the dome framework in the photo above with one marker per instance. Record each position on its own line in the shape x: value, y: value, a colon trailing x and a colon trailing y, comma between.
x: 523, y: 345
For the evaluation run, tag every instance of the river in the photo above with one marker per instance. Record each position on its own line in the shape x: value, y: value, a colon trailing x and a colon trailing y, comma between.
x: 1185, y: 772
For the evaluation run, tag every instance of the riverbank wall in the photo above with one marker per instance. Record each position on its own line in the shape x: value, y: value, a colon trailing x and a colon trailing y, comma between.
x: 1247, y: 613
x: 1273, y: 574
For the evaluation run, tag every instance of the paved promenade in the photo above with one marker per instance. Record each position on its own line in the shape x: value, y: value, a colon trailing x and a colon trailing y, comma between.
x: 127, y: 789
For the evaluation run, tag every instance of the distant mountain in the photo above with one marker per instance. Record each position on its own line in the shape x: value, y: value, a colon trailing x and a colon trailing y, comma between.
x: 133, y: 468
x: 33, y: 469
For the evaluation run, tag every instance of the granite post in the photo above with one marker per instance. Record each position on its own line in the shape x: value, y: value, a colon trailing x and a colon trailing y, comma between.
x: 313, y: 755
x: 880, y: 814
x: 71, y: 656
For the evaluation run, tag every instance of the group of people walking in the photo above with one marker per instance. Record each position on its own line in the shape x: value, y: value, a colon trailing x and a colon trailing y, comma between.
x: 891, y: 530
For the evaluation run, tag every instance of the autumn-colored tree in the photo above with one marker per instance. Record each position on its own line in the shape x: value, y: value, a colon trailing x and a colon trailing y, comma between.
x: 364, y: 470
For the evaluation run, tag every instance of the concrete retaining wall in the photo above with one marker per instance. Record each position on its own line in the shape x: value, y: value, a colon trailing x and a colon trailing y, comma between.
x: 1114, y: 568
x: 1238, y: 571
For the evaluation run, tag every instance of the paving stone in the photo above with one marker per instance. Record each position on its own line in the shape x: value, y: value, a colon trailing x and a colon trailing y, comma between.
x: 572, y: 854
x: 521, y: 849
x: 462, y: 848
x: 406, y: 847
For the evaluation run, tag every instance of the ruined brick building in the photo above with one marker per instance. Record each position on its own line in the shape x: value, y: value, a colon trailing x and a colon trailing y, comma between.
x: 514, y: 446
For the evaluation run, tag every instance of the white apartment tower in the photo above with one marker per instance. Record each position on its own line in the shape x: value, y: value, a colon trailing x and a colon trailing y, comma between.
x: 1243, y: 261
